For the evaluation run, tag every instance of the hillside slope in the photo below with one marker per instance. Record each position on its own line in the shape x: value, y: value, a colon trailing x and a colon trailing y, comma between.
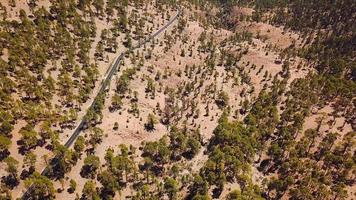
x: 233, y: 100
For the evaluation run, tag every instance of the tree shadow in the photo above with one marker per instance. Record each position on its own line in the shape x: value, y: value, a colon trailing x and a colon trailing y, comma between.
x: 4, y: 154
x: 149, y: 127
x: 23, y: 150
x: 87, y: 172
x: 10, y: 181
x: 27, y: 173
x: 217, y: 192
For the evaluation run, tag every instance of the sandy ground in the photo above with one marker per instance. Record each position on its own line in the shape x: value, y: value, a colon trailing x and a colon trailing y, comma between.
x: 273, y: 35
x: 324, y: 117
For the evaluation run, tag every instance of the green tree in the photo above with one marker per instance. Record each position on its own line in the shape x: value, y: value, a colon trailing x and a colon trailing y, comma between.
x: 171, y: 187
x: 222, y: 100
x: 11, y: 180
x: 30, y: 160
x: 99, y: 50
x: 79, y: 144
x: 147, y: 166
x: 46, y: 130
x: 193, y: 146
x: 5, y: 144
x: 199, y: 187
x: 110, y: 184
x: 99, y: 7
x: 65, y: 158
x: 40, y: 187
x: 116, y: 102
x: 29, y: 137
x: 122, y: 165
x: 91, y: 165
x: 150, y: 85
x: 6, y: 127
x: 340, y: 191
x: 151, y: 121
x: 96, y: 136
x: 128, y: 42
x: 112, y: 44
x: 72, y: 186
x: 89, y: 191
x: 11, y: 166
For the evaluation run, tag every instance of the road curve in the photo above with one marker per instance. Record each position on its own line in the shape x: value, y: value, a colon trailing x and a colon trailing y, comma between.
x: 114, y: 68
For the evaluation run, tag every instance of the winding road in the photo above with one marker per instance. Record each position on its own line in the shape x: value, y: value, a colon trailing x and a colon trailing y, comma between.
x: 114, y: 68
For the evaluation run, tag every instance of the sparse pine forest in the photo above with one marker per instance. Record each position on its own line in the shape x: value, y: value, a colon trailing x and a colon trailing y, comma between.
x: 177, y: 99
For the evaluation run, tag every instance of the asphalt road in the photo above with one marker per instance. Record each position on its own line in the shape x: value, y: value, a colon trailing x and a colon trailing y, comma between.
x: 114, y: 68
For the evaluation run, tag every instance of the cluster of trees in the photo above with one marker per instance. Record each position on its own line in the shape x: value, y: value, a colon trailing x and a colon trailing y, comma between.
x: 331, y: 48
x: 6, y: 126
x: 122, y: 83
x: 120, y: 169
x: 231, y: 150
x: 297, y: 163
x: 41, y: 186
x: 182, y: 143
x: 333, y: 54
